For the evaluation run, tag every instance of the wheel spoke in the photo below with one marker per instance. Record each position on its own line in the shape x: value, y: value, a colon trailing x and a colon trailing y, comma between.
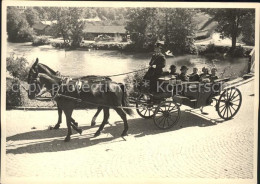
x: 161, y: 120
x: 233, y: 108
x: 234, y: 97
x: 222, y: 109
x: 230, y: 111
x: 145, y: 112
x: 227, y: 111
x: 164, y: 122
x: 168, y: 122
x: 224, y: 112
x: 173, y: 119
x: 221, y: 106
x: 235, y: 105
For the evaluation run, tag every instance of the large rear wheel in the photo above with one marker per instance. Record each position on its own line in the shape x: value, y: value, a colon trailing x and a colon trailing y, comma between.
x: 229, y: 103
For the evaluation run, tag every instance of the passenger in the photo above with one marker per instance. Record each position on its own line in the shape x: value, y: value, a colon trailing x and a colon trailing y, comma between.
x: 194, y: 76
x: 183, y: 76
x: 213, y: 75
x: 173, y: 71
x: 204, y: 77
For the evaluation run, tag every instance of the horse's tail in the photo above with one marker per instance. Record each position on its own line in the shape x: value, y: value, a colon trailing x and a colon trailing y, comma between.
x: 125, y: 101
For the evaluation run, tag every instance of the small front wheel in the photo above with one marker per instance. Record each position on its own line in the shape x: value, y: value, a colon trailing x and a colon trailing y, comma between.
x: 166, y: 115
x: 144, y: 107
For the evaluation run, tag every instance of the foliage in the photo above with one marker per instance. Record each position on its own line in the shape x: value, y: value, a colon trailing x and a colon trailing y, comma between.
x: 222, y: 51
x: 174, y: 26
x: 248, y: 28
x: 179, y: 30
x: 31, y: 15
x: 13, y: 93
x: 18, y: 29
x: 231, y: 22
x: 76, y: 26
x: 40, y: 40
x: 17, y: 66
x: 133, y: 82
x: 141, y: 26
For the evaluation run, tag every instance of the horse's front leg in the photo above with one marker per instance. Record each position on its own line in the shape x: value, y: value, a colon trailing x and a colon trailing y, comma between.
x: 68, y: 113
x: 106, y: 116
x: 93, y: 121
x: 57, y: 126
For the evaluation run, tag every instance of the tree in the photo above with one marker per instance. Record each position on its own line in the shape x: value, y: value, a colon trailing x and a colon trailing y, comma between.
x: 173, y: 25
x: 18, y: 29
x: 142, y: 26
x: 32, y: 16
x: 230, y: 22
x: 248, y: 28
x: 76, y: 26
x: 178, y: 29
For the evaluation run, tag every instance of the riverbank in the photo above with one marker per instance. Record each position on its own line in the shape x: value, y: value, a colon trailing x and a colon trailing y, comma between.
x: 211, y: 46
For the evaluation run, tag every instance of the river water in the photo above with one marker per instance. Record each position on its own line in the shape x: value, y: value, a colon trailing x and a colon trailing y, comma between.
x: 100, y: 62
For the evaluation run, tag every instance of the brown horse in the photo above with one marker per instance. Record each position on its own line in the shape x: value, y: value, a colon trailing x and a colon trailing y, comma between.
x: 42, y: 68
x: 106, y: 94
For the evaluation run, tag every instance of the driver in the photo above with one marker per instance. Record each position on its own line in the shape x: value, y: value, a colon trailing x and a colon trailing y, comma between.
x: 156, y: 64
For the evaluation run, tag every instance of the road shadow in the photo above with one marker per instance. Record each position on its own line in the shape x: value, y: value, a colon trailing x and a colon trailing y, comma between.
x: 137, y: 128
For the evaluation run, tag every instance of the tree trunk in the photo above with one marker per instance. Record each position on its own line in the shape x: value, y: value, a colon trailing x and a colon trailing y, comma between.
x: 234, y: 41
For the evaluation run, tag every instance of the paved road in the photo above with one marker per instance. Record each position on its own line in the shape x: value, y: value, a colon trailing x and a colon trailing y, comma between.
x: 201, y: 148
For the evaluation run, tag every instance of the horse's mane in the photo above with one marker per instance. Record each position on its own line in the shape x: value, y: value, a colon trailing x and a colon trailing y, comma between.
x: 47, y: 68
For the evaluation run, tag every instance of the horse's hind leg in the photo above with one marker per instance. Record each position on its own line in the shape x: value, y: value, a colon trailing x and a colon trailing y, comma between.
x: 122, y: 114
x: 106, y: 116
x: 68, y: 113
x: 93, y: 121
x: 57, y: 126
x: 74, y: 122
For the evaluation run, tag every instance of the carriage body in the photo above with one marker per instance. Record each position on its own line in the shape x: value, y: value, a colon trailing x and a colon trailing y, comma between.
x: 173, y: 93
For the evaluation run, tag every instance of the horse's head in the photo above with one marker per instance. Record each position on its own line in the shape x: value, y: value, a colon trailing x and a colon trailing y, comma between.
x: 33, y: 81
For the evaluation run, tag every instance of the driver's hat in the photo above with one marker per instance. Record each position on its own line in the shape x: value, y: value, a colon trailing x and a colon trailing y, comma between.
x: 159, y: 44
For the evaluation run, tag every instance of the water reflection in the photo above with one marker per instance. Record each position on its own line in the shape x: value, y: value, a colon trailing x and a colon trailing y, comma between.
x: 82, y: 62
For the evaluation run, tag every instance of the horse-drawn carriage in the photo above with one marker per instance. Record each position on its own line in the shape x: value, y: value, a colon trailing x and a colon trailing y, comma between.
x: 164, y: 105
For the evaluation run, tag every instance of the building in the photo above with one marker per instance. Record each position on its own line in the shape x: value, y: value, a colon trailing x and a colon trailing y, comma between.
x: 40, y: 28
x: 116, y: 32
x: 21, y: 9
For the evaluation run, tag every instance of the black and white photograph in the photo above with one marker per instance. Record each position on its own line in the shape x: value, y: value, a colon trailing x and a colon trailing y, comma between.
x: 129, y: 92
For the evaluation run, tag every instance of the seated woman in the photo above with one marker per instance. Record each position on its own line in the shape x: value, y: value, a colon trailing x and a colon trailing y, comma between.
x: 194, y: 76
x: 183, y: 76
x: 213, y: 75
x: 204, y: 77
x: 173, y: 71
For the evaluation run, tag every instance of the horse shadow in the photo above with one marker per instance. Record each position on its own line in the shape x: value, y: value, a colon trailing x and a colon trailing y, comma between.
x: 137, y: 128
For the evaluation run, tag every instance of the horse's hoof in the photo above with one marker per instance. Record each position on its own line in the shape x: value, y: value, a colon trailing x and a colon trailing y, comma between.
x: 56, y: 127
x: 67, y: 139
x: 124, y: 134
x: 97, y: 134
x: 80, y: 131
x: 76, y: 124
x: 93, y: 123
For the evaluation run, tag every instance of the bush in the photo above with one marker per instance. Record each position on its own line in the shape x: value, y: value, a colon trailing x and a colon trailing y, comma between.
x: 18, y: 29
x: 13, y: 93
x: 40, y: 40
x: 134, y: 81
x: 60, y: 45
x: 17, y: 66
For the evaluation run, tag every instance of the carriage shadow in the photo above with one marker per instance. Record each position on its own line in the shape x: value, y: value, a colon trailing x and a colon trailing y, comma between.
x: 137, y: 128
